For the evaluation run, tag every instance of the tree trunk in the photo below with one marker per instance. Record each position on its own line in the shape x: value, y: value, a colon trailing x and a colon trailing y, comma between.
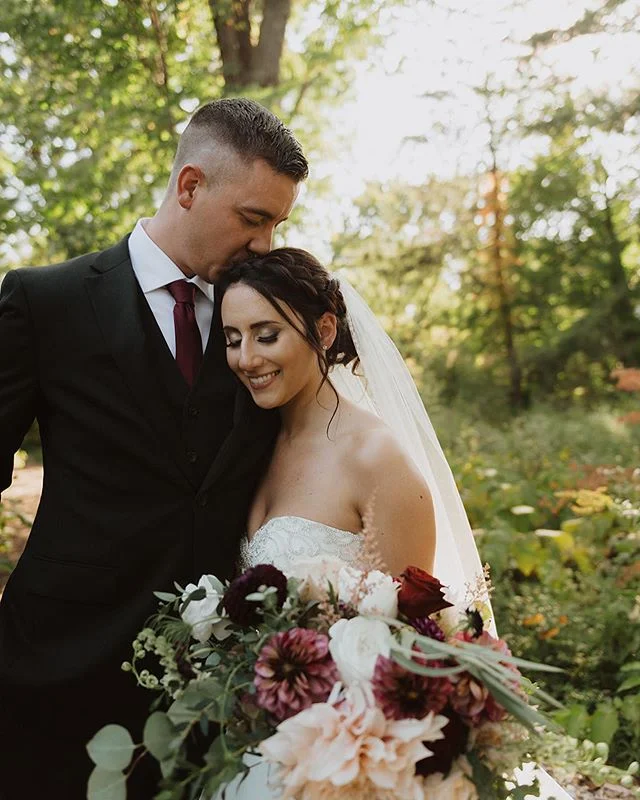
x: 233, y: 31
x: 243, y: 63
x: 516, y: 396
x: 266, y: 57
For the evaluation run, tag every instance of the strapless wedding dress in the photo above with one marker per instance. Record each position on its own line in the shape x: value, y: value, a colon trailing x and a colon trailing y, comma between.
x: 282, y: 541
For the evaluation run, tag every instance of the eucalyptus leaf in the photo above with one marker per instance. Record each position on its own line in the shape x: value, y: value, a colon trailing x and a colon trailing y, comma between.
x: 166, y: 597
x: 106, y: 785
x: 111, y: 748
x: 158, y: 735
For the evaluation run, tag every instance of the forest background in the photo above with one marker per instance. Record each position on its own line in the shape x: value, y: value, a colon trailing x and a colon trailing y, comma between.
x: 475, y: 170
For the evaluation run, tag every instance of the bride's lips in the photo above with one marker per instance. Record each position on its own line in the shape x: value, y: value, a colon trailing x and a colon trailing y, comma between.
x: 260, y: 382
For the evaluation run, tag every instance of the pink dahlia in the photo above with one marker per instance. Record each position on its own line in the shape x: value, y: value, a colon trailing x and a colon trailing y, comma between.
x: 402, y: 694
x: 294, y: 669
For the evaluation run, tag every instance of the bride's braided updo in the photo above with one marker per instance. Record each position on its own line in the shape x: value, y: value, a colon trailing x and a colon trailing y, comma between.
x: 290, y: 277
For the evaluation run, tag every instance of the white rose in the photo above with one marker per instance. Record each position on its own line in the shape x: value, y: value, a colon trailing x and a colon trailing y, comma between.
x: 203, y: 615
x: 379, y: 595
x: 315, y: 574
x: 356, y: 644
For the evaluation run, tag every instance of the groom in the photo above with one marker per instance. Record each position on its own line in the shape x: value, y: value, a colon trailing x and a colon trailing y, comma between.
x: 151, y: 449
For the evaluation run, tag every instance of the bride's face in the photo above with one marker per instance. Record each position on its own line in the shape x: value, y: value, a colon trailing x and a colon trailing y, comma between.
x: 271, y: 358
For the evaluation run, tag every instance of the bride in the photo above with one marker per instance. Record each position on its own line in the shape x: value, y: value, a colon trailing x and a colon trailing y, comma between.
x: 355, y: 443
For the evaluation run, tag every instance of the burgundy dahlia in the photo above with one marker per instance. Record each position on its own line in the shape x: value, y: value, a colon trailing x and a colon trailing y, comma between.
x: 294, y: 669
x: 247, y: 612
x: 428, y: 627
x: 445, y: 751
x: 402, y: 694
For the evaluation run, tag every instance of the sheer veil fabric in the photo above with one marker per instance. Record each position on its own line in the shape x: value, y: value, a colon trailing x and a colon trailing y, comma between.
x: 384, y: 385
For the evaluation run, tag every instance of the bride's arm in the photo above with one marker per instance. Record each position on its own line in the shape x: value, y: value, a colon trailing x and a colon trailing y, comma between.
x: 393, y: 495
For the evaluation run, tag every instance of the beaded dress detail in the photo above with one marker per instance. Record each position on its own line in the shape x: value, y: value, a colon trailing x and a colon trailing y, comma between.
x: 282, y: 541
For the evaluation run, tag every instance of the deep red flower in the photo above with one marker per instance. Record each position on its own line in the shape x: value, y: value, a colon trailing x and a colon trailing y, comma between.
x: 294, y: 669
x: 445, y: 751
x: 420, y: 594
x: 402, y: 694
x: 246, y: 612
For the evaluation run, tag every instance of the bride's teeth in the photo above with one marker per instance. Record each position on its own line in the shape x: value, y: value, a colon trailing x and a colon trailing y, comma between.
x: 262, y: 379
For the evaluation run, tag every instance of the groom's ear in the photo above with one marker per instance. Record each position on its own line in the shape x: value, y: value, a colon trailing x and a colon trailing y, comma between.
x: 189, y: 178
x: 327, y: 329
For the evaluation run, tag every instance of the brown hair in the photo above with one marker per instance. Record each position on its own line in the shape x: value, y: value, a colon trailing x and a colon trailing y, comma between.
x: 293, y: 277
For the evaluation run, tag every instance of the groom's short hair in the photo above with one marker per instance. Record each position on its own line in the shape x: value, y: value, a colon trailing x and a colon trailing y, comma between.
x: 248, y: 129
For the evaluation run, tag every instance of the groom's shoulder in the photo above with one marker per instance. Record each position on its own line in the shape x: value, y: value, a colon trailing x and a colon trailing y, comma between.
x: 80, y: 267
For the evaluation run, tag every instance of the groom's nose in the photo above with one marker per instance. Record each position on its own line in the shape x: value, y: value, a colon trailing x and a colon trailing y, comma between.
x: 260, y: 243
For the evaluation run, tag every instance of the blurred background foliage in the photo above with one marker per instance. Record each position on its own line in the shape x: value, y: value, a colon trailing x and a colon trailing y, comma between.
x: 511, y: 283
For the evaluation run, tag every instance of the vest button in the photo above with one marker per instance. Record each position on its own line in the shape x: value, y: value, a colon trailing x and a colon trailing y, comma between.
x: 193, y: 411
x: 192, y: 456
x: 202, y: 500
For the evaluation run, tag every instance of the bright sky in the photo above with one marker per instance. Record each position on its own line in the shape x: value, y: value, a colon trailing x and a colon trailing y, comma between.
x: 445, y: 46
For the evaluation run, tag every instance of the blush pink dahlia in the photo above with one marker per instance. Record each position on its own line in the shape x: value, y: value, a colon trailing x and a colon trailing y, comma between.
x: 350, y: 750
x: 294, y: 670
x: 402, y: 694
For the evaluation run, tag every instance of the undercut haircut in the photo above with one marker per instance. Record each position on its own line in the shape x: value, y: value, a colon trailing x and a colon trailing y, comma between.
x: 249, y: 130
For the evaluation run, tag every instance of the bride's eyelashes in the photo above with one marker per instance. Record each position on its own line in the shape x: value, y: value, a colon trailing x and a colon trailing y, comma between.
x: 271, y: 339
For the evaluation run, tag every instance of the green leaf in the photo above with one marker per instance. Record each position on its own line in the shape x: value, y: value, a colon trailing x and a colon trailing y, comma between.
x: 632, y: 682
x: 158, y: 734
x: 604, y: 723
x: 111, y: 748
x: 574, y: 719
x: 631, y: 666
x: 181, y: 714
x: 166, y: 597
x: 106, y: 785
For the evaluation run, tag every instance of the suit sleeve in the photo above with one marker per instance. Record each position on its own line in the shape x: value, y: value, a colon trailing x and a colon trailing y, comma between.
x: 18, y: 378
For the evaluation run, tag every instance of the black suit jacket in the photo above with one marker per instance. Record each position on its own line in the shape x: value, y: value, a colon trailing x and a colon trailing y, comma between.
x: 145, y: 482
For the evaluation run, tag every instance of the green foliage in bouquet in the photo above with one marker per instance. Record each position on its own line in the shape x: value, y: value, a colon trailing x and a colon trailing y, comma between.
x: 236, y: 668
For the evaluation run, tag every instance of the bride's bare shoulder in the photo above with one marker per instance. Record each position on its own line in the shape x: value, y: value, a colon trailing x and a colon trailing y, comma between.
x: 367, y: 442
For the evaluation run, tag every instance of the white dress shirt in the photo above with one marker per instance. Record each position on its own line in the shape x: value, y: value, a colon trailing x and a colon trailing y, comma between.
x: 154, y: 270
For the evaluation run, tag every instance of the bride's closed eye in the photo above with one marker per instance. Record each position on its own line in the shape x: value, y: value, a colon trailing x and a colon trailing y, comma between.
x: 270, y: 339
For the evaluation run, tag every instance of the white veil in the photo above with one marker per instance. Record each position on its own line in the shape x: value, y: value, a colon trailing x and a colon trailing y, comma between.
x: 384, y: 385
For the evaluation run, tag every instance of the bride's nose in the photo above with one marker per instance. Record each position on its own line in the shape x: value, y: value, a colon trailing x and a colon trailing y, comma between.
x: 249, y: 358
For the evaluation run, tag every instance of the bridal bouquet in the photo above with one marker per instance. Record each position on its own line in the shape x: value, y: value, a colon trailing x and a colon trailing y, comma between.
x: 337, y: 682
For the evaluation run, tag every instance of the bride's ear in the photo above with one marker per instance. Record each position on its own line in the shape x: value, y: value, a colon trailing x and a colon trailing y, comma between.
x: 327, y: 329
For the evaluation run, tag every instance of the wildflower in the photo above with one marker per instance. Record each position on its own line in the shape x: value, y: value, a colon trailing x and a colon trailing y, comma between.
x: 247, y: 612
x: 521, y: 510
x: 294, y: 669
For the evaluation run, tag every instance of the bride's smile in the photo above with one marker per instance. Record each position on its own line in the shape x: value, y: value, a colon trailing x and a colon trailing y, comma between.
x: 271, y: 357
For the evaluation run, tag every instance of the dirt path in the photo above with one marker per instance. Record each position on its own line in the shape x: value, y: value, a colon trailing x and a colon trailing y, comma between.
x: 18, y: 508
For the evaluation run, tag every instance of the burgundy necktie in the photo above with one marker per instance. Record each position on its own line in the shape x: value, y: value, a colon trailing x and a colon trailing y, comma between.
x: 188, y: 339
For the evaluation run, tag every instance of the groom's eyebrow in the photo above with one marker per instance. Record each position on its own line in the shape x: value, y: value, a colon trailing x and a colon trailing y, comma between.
x: 261, y: 212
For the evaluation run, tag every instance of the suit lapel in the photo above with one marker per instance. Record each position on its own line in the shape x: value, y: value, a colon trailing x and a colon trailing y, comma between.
x: 252, y: 436
x: 116, y: 298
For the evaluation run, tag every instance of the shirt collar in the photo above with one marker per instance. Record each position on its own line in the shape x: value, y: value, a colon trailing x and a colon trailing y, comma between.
x: 153, y: 267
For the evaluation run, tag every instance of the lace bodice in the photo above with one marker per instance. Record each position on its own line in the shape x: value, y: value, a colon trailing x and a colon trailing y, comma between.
x: 283, y: 540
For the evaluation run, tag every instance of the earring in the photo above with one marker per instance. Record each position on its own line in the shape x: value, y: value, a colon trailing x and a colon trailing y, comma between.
x: 325, y: 347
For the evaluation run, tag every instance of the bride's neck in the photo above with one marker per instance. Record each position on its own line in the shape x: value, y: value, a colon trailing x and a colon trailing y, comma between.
x: 308, y: 412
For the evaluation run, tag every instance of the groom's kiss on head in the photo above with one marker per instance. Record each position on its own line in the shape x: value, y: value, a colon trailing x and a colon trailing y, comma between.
x: 152, y: 449
x: 223, y: 202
